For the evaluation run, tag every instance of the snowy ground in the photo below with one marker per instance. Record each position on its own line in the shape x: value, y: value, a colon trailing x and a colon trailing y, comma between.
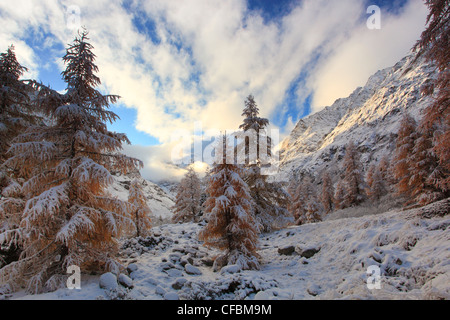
x: 411, y: 248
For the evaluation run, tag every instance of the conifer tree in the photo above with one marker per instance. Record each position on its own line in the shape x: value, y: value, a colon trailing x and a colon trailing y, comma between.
x: 352, y: 181
x: 301, y: 198
x: 424, y: 163
x: 15, y: 102
x: 327, y: 194
x: 374, y: 184
x: 252, y: 121
x: 16, y: 113
x: 188, y: 199
x: 434, y: 45
x: 12, y: 204
x: 141, y: 211
x: 69, y: 218
x: 313, y: 206
x: 339, y: 195
x: 313, y: 211
x: 231, y: 227
x: 403, y: 160
x: 270, y: 198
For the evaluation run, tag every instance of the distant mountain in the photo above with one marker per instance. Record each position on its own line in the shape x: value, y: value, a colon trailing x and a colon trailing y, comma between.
x: 158, y: 200
x: 370, y: 117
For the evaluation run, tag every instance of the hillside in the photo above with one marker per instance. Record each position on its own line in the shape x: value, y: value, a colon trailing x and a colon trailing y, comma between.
x: 369, y: 116
x: 158, y: 200
x: 326, y: 260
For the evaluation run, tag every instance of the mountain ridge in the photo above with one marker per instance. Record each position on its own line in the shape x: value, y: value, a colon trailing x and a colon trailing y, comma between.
x: 369, y: 116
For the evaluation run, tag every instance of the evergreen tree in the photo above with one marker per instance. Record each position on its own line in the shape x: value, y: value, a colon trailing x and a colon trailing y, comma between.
x: 141, y: 211
x: 270, y: 199
x: 434, y: 45
x: 15, y: 102
x: 375, y: 185
x: 423, y: 191
x: 230, y: 223
x: 12, y: 204
x: 69, y: 218
x: 251, y: 116
x: 188, y: 199
x: 339, y: 195
x: 313, y: 206
x: 327, y: 194
x: 301, y: 198
x: 403, y: 161
x: 352, y: 181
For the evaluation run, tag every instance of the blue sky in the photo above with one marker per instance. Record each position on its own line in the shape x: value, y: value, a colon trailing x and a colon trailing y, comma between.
x: 175, y: 62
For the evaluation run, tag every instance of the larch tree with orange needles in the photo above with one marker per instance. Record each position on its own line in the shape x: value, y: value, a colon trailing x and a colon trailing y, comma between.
x: 434, y: 45
x: 15, y: 101
x: 69, y: 218
x: 187, y: 201
x: 231, y: 226
x: 15, y: 115
x: 269, y: 197
x: 141, y: 210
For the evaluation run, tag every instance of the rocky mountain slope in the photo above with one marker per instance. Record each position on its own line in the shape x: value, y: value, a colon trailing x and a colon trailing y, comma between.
x: 158, y: 200
x: 369, y: 116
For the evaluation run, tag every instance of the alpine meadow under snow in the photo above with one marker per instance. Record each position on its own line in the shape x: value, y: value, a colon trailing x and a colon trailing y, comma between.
x: 358, y: 209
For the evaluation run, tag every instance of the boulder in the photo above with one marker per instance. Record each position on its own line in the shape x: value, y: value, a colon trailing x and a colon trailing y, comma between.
x: 286, y: 250
x: 232, y: 268
x: 179, y: 283
x: 307, y: 252
x: 190, y: 269
x: 132, y: 267
x: 171, y: 296
x: 108, y: 281
x: 125, y: 281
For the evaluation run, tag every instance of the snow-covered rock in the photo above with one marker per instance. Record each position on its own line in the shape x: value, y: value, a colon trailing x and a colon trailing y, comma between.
x: 171, y: 296
x: 190, y: 269
x: 125, y: 280
x: 232, y: 268
x: 262, y: 295
x: 409, y: 248
x: 108, y: 281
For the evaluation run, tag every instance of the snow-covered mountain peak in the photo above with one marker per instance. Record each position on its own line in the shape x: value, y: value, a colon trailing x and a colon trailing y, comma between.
x: 369, y: 116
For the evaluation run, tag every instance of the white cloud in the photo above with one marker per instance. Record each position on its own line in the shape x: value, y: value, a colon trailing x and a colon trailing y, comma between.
x: 230, y: 51
x: 365, y: 52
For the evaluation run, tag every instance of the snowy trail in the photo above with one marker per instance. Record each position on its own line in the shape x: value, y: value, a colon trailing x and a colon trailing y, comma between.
x: 411, y: 250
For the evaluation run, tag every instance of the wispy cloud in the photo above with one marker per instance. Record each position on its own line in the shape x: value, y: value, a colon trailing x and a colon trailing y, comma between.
x: 177, y: 62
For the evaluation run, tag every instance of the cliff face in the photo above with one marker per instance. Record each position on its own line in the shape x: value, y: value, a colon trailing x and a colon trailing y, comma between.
x: 370, y: 117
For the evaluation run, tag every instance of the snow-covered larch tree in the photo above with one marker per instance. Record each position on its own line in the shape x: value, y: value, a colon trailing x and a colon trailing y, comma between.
x: 339, y: 195
x: 270, y: 198
x: 374, y: 183
x: 15, y: 101
x: 188, y: 199
x: 353, y: 179
x: 231, y: 226
x: 16, y: 114
x: 304, y: 206
x: 141, y: 211
x: 69, y: 218
x: 403, y: 160
x: 434, y: 45
x: 326, y: 197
